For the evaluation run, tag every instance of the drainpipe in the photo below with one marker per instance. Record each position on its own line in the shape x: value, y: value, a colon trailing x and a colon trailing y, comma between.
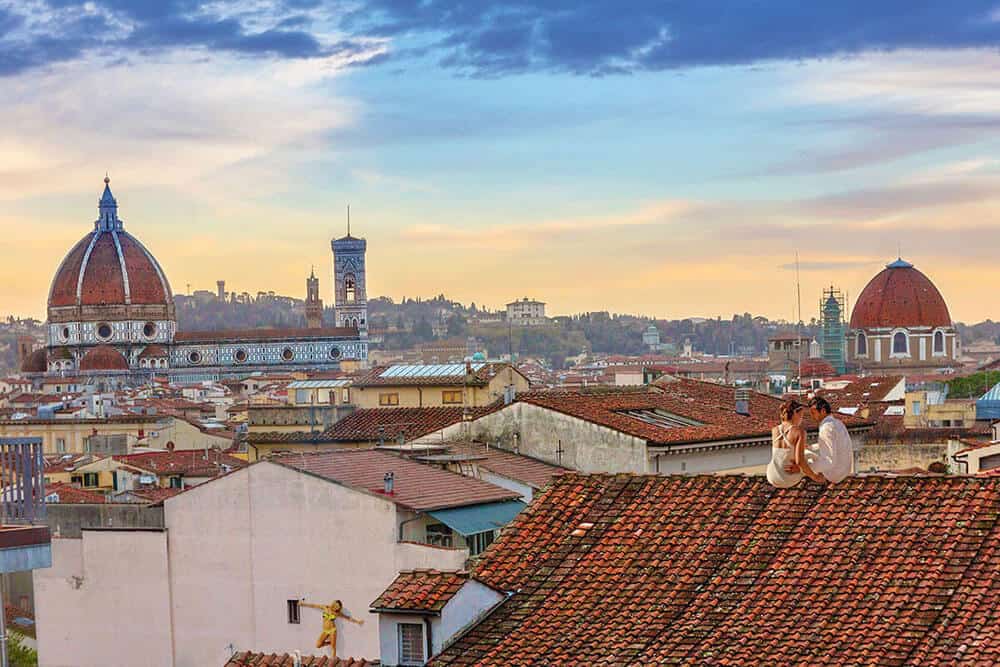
x: 430, y: 643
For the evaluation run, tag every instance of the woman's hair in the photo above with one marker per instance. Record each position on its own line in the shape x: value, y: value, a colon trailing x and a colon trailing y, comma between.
x: 788, y: 410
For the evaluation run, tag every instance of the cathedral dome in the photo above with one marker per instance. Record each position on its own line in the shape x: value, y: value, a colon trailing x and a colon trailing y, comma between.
x: 900, y: 296
x: 109, y: 267
x: 103, y: 358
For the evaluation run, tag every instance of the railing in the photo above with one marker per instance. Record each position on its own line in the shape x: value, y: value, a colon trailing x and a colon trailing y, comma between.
x: 22, y: 473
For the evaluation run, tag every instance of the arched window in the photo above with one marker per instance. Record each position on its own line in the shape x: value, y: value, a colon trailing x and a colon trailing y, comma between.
x: 938, y: 342
x: 350, y: 289
x: 862, y: 347
x: 900, y: 345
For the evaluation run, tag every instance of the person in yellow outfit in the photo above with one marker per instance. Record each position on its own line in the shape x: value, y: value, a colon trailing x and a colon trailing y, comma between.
x: 331, y: 612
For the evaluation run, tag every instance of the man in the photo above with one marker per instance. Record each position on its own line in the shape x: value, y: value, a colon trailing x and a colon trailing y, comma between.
x: 833, y: 455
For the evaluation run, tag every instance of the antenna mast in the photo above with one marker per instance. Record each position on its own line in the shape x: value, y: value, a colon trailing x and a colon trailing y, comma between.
x: 798, y: 324
x: 348, y: 219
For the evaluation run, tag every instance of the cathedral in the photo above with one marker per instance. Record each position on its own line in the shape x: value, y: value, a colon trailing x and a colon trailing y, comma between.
x: 111, y: 315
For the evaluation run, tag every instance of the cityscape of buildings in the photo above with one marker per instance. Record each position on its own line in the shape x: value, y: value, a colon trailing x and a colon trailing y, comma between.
x: 662, y: 334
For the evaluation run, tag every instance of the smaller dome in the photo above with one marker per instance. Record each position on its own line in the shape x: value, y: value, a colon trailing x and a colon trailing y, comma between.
x: 103, y: 358
x: 60, y: 354
x: 35, y: 362
x: 153, y: 352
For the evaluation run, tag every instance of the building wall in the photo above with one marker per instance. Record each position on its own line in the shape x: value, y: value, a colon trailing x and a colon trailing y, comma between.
x: 921, y: 349
x: 750, y: 460
x: 541, y: 433
x: 433, y: 396
x: 105, y: 601
x: 262, y: 537
x: 72, y: 433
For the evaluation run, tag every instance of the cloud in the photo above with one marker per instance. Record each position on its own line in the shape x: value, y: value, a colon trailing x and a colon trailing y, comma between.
x: 36, y: 33
x: 598, y: 37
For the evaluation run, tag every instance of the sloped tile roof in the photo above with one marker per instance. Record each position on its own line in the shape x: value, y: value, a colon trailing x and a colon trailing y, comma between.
x: 417, y: 486
x: 248, y: 659
x: 69, y: 493
x: 368, y: 425
x: 712, y: 408
x: 420, y: 590
x: 195, y: 462
x: 727, y: 570
x: 507, y: 464
x: 863, y: 391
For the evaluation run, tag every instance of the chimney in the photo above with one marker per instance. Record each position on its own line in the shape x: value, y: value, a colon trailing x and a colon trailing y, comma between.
x: 388, y: 483
x: 742, y: 401
x: 401, y: 437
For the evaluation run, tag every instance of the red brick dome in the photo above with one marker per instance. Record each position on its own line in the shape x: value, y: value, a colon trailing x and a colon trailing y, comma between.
x: 153, y: 352
x: 900, y: 296
x: 103, y: 358
x: 36, y: 362
x: 109, y: 266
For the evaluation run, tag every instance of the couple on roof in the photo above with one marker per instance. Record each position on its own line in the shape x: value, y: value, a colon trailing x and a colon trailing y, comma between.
x: 828, y: 461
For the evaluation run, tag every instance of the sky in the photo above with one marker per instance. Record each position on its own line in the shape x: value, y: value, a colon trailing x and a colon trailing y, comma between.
x: 662, y: 158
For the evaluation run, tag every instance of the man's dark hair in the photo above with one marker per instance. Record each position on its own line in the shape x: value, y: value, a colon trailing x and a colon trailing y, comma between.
x: 820, y: 404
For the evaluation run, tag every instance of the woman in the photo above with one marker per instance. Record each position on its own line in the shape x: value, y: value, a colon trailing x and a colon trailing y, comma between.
x: 788, y: 446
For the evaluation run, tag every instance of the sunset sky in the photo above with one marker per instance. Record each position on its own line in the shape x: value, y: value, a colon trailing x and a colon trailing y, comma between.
x: 664, y: 158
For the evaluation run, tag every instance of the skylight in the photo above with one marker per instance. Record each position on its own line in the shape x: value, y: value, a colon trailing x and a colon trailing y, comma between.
x: 660, y: 418
x: 427, y: 370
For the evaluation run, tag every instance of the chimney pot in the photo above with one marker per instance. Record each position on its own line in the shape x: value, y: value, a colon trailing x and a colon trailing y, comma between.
x: 388, y: 482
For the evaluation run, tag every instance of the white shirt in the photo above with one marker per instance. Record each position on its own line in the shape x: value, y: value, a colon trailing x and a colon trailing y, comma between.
x: 833, y: 455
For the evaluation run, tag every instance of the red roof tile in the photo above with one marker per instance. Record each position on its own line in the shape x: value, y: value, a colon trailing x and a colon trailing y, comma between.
x: 248, y: 659
x: 371, y: 424
x: 518, y: 467
x: 194, y: 463
x: 72, y: 494
x: 417, y: 486
x: 727, y: 570
x: 420, y: 590
x: 711, y: 406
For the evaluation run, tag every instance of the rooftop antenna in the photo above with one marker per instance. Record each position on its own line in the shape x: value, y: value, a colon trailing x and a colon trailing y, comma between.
x: 798, y: 324
x: 348, y: 219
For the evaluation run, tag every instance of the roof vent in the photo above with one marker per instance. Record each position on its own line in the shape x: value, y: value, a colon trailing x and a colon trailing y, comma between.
x: 742, y: 401
x: 388, y: 483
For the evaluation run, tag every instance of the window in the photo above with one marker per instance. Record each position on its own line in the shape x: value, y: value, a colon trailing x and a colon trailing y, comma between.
x: 287, y: 354
x: 478, y: 542
x: 149, y: 329
x: 104, y: 331
x: 347, y: 395
x: 302, y: 396
x: 240, y: 356
x: 916, y: 408
x: 90, y: 479
x: 440, y: 535
x: 451, y: 397
x: 900, y: 344
x: 60, y: 445
x: 350, y: 288
x: 862, y: 348
x: 411, y: 644
x: 388, y: 399
x: 176, y: 483
x: 938, y: 342
x: 194, y: 357
x: 293, y: 612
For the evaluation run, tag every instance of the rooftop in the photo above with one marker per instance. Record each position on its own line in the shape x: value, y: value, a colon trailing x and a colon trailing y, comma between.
x: 194, y: 463
x: 248, y: 659
x: 431, y: 374
x: 727, y: 570
x: 417, y: 486
x: 420, y: 590
x: 518, y: 467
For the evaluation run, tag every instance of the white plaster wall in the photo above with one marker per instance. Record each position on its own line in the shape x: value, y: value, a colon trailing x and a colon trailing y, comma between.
x: 389, y: 635
x: 242, y: 546
x: 527, y: 493
x: 749, y: 460
x: 469, y: 604
x: 105, y: 601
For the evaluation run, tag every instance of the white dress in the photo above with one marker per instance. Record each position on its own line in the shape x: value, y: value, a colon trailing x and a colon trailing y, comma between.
x: 780, y: 455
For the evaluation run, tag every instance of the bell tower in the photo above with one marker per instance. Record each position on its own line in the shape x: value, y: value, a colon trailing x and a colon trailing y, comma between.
x: 314, y: 305
x: 350, y: 298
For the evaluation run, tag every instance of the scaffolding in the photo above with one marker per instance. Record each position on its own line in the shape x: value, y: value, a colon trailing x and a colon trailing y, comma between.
x: 832, y: 309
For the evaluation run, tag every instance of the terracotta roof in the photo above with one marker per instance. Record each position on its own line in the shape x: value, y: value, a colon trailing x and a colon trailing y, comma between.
x: 194, y: 463
x: 36, y: 362
x: 153, y: 351
x: 100, y: 257
x: 712, y: 408
x: 103, y: 358
x: 156, y: 494
x: 55, y: 463
x: 518, y: 467
x: 420, y: 590
x: 479, y: 377
x: 417, y: 486
x: 900, y: 296
x: 727, y: 570
x: 863, y: 391
x: 69, y: 493
x: 263, y: 334
x: 248, y: 659
x: 368, y: 425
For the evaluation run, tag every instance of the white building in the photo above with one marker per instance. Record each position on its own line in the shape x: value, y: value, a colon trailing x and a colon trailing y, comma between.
x: 236, y: 556
x: 526, y: 312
